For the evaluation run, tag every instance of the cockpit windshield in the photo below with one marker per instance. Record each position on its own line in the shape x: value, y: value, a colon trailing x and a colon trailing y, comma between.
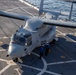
x: 24, y: 40
x: 18, y: 40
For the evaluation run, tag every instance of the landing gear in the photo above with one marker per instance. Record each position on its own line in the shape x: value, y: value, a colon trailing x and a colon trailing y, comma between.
x: 7, y: 55
x: 54, y: 40
x: 15, y: 60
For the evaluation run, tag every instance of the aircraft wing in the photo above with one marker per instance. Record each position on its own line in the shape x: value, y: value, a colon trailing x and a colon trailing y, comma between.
x: 14, y: 15
x: 59, y: 23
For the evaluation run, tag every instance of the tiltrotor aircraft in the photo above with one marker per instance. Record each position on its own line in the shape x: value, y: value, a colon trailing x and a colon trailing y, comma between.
x: 36, y: 32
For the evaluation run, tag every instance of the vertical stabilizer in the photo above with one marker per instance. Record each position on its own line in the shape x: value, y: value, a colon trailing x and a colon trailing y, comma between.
x: 41, y: 7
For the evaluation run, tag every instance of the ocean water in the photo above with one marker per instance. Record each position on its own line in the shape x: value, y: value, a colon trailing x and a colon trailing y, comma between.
x: 56, y: 5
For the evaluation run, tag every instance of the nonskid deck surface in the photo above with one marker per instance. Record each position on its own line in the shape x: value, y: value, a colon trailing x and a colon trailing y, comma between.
x: 60, y: 61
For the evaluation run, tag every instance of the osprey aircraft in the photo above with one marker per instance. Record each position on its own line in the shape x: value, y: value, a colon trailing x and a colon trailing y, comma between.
x: 35, y: 33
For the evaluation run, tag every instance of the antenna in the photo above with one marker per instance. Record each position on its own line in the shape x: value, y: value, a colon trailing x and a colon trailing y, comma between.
x: 70, y: 14
x: 71, y: 9
x: 41, y: 7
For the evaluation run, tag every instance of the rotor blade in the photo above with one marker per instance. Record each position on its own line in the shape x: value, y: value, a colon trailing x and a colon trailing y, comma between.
x: 60, y: 23
x: 74, y: 1
x: 14, y: 15
x: 57, y: 12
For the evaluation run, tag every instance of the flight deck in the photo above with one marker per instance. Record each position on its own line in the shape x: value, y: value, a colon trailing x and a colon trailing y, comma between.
x: 61, y: 60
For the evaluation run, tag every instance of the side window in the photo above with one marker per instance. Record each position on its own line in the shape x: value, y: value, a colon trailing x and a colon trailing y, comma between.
x: 29, y: 41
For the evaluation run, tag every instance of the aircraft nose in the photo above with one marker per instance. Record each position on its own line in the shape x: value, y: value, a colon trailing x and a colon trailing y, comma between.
x: 14, y: 51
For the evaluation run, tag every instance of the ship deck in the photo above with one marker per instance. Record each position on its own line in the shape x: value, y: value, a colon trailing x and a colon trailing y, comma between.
x: 60, y: 61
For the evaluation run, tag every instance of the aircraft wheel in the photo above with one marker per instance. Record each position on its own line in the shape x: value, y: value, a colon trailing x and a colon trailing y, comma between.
x: 53, y: 41
x: 15, y: 60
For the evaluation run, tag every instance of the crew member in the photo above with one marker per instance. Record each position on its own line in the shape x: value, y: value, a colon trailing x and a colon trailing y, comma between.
x: 47, y: 49
x: 41, y: 52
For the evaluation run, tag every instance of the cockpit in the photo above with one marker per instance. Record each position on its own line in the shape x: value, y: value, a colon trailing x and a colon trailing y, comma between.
x: 22, y: 40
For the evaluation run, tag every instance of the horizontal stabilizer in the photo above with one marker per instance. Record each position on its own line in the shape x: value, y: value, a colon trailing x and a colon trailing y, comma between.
x: 13, y: 15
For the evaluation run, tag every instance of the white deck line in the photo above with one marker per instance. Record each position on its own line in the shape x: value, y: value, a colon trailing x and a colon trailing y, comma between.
x: 62, y: 62
x: 2, y: 50
x: 45, y: 64
x: 66, y: 36
x: 17, y: 69
x: 27, y: 12
x: 53, y: 73
x: 29, y: 4
x: 4, y: 69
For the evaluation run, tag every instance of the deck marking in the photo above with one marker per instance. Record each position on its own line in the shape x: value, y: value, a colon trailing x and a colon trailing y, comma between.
x: 66, y: 36
x: 29, y: 4
x: 17, y: 69
x: 64, y: 53
x: 3, y: 60
x: 5, y: 68
x: 5, y: 37
x: 52, y: 73
x: 38, y: 69
x: 41, y: 70
x: 29, y: 67
x: 11, y: 9
x: 45, y: 65
x: 27, y: 12
x: 1, y: 50
x: 11, y: 62
x: 62, y: 62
